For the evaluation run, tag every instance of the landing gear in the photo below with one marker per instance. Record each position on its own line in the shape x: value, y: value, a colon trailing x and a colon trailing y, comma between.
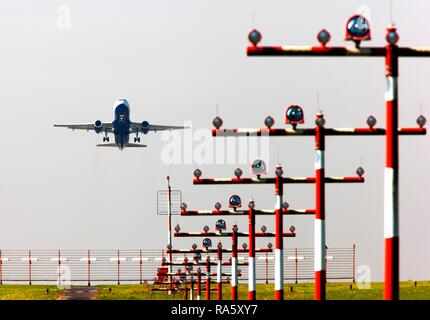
x: 106, y: 138
x: 137, y: 138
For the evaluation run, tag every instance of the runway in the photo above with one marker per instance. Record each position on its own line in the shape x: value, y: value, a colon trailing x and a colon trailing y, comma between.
x: 79, y: 293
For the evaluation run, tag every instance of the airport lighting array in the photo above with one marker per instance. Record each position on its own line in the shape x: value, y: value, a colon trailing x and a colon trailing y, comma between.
x: 357, y: 30
x: 234, y: 202
x: 197, y: 261
x: 234, y: 234
x: 281, y: 207
x: 219, y: 251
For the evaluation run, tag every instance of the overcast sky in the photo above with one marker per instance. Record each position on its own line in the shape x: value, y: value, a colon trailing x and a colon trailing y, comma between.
x: 175, y: 61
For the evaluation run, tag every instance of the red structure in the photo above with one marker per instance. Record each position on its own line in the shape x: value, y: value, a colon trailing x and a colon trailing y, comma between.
x: 279, y: 181
x: 199, y: 284
x: 251, y: 254
x: 251, y: 212
x: 391, y: 52
x: 234, y: 235
x: 219, y: 250
x: 219, y: 271
x: 234, y: 293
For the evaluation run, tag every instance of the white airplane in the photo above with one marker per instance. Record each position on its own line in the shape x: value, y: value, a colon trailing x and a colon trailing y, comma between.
x: 121, y: 127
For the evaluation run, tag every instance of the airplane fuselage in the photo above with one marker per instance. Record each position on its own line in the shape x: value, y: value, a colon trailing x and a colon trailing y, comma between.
x: 121, y: 125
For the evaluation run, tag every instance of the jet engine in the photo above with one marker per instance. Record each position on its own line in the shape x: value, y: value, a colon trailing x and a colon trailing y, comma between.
x: 98, y: 126
x: 145, y: 127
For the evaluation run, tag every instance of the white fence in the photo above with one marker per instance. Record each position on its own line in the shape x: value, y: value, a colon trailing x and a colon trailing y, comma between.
x: 139, y: 266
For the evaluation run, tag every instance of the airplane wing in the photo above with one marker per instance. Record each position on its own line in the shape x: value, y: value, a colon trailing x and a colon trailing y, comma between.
x: 106, y: 126
x: 137, y: 127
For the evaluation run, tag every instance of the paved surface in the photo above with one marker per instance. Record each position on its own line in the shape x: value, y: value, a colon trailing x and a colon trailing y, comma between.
x: 79, y: 293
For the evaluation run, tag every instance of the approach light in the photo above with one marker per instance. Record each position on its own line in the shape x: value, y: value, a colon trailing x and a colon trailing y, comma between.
x: 206, y: 229
x: 169, y: 247
x: 179, y: 271
x: 244, y: 246
x: 220, y: 225
x: 263, y: 228
x: 251, y: 204
x: 194, y: 246
x: 258, y: 167
x: 238, y: 172
x: 360, y: 171
x: 185, y: 259
x: 197, y: 173
x: 183, y: 206
x: 255, y: 37
x: 207, y: 243
x: 285, y: 205
x: 371, y: 121
x: 218, y: 206
x: 392, y: 36
x: 217, y: 122
x: 269, y: 122
x: 219, y: 245
x: 357, y: 29
x: 294, y: 115
x: 320, y: 120
x: 279, y: 172
x: 197, y: 256
x: 177, y: 228
x: 292, y: 229
x: 270, y: 245
x: 235, y: 228
x: 323, y: 37
x: 234, y: 201
x: 421, y: 121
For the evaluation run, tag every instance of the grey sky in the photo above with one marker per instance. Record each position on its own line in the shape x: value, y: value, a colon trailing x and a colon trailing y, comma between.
x: 174, y: 61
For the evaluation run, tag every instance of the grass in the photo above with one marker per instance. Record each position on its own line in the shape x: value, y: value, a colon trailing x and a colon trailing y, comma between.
x: 302, y: 291
x: 27, y: 292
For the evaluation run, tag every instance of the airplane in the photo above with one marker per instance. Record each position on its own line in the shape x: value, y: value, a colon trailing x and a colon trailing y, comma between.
x: 121, y: 127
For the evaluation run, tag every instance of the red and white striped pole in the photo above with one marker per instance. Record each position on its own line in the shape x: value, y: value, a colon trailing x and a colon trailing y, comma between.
x: 191, y: 288
x: 391, y: 185
x: 199, y: 284
x: 319, y: 247
x: 169, y: 230
x: 219, y: 271
x: 279, y: 243
x: 234, y: 263
x: 251, y: 252
x: 185, y: 287
x: 208, y: 278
